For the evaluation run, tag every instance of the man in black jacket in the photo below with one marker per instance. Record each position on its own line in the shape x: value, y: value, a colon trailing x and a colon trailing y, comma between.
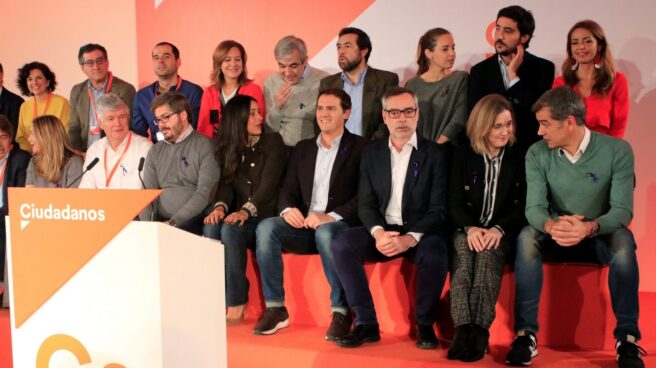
x: 513, y: 72
x: 13, y: 168
x: 402, y: 205
x: 317, y: 201
x: 10, y: 103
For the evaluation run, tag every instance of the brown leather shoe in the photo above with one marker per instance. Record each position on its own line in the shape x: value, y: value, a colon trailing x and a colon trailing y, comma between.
x: 339, y: 326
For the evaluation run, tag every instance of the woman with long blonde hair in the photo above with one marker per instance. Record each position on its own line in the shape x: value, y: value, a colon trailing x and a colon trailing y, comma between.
x: 55, y: 164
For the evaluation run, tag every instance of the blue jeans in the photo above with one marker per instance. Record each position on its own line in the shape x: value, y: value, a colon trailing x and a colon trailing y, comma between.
x: 235, y: 240
x: 617, y: 250
x: 354, y: 247
x: 271, y: 234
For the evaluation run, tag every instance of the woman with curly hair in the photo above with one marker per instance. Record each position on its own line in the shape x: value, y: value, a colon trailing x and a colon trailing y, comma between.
x: 37, y: 80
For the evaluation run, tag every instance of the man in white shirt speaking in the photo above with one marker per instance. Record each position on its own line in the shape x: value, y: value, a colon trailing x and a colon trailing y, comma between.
x: 120, y: 152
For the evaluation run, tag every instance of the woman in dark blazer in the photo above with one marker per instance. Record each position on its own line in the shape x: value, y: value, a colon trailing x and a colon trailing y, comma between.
x: 486, y: 203
x: 252, y: 164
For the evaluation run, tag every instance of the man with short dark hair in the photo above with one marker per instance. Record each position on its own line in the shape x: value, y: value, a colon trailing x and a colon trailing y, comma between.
x: 579, y: 204
x: 166, y: 62
x: 317, y: 201
x: 513, y: 72
x: 291, y: 94
x: 83, y: 125
x: 402, y: 206
x: 364, y: 84
x: 13, y: 169
x: 183, y: 164
x: 10, y: 102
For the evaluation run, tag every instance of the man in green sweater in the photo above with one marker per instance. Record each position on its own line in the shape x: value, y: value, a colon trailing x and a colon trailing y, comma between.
x: 183, y: 165
x: 579, y: 203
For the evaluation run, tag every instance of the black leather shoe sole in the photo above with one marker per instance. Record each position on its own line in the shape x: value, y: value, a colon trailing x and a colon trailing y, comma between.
x: 351, y: 341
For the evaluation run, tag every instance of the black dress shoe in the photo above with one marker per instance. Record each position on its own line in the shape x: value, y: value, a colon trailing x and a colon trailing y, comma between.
x: 360, y: 334
x: 426, y: 338
x: 477, y: 344
x: 459, y: 345
x: 339, y: 327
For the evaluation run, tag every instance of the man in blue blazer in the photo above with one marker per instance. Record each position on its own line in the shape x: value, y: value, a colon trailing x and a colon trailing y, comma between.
x: 402, y: 205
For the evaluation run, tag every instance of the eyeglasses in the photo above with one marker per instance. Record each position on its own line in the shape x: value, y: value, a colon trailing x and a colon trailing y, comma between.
x: 410, y: 112
x: 164, y: 118
x: 99, y: 61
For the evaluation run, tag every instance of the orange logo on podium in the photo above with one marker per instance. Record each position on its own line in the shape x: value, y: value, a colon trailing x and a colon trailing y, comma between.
x: 41, y: 263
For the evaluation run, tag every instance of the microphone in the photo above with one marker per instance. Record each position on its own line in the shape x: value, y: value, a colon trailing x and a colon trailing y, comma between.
x: 140, y: 169
x: 89, y: 167
x: 142, y: 161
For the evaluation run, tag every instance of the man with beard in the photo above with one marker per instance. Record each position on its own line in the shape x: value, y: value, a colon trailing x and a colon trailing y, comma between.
x: 365, y: 85
x: 512, y: 72
x: 166, y: 62
x: 183, y: 164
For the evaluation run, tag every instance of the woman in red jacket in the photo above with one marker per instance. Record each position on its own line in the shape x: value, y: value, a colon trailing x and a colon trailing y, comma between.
x: 229, y: 78
x: 589, y: 71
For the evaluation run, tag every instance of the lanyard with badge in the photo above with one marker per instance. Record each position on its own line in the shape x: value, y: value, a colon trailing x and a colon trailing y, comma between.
x: 92, y: 103
x: 159, y: 134
x: 108, y: 177
x: 35, y: 112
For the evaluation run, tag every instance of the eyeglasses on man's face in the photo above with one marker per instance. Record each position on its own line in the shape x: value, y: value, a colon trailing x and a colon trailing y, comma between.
x: 91, y: 62
x: 410, y: 112
x: 164, y: 118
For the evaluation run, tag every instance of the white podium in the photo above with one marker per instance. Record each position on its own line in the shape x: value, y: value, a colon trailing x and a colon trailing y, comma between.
x: 153, y: 296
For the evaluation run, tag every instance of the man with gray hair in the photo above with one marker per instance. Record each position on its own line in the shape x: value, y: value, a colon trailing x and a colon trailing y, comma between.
x: 119, y: 152
x: 579, y: 204
x: 291, y: 94
x: 83, y: 125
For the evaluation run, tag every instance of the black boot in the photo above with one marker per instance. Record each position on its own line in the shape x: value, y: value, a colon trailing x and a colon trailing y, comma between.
x: 477, y: 344
x: 459, y: 345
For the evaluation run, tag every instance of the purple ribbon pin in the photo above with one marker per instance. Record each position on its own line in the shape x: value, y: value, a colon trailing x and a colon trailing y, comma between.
x: 415, y: 168
x: 185, y: 162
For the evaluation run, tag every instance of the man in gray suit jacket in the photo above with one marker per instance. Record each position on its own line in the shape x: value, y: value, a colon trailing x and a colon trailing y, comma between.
x: 364, y: 84
x: 83, y: 128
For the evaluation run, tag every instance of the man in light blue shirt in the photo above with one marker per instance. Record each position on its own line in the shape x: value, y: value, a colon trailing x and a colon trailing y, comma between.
x: 364, y: 84
x: 317, y: 201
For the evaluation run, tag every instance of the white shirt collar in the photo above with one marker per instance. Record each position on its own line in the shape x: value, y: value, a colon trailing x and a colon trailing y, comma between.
x: 182, y: 136
x: 412, y: 142
x: 581, y: 150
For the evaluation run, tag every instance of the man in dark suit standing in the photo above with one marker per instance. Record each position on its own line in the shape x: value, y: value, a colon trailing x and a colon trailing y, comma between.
x: 13, y: 168
x: 513, y: 72
x: 402, y: 205
x: 83, y: 126
x: 10, y: 102
x: 364, y: 84
x: 317, y: 201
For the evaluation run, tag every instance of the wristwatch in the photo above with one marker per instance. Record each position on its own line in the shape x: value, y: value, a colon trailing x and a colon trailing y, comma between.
x: 594, y: 230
